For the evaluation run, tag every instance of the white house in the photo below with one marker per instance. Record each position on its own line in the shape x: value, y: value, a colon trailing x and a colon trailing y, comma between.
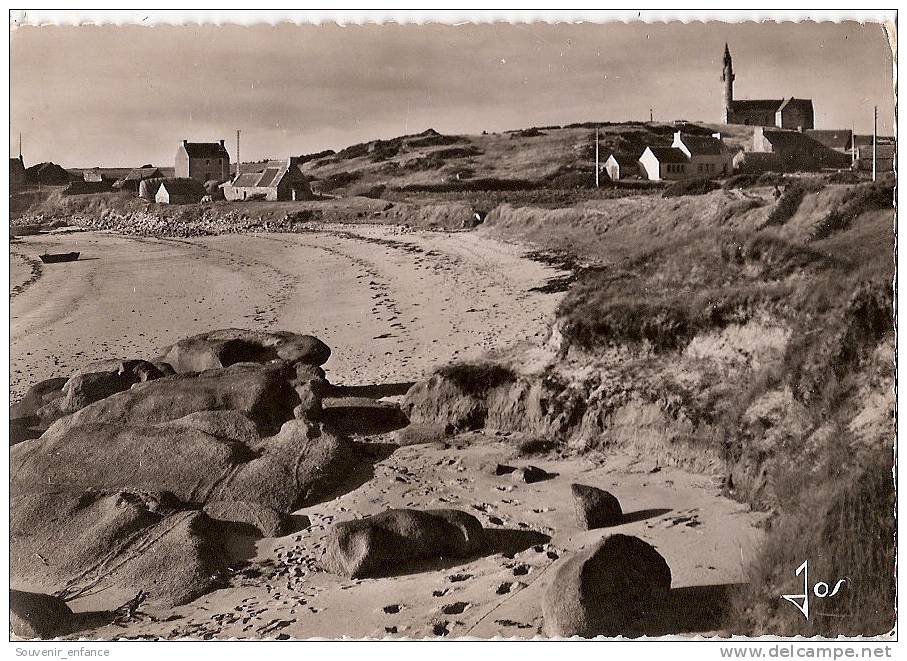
x: 709, y: 157
x: 657, y: 163
x: 621, y: 166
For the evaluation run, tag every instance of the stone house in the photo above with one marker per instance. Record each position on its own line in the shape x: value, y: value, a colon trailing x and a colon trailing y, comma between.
x: 202, y: 161
x: 885, y: 158
x: 796, y: 150
x: 134, y: 177
x: 709, y: 157
x: 179, y: 191
x: 660, y: 163
x: 280, y: 180
x: 621, y: 165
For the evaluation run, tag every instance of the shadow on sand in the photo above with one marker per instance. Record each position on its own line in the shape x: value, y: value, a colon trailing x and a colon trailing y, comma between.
x: 642, y: 515
x: 498, y: 540
x: 693, y: 609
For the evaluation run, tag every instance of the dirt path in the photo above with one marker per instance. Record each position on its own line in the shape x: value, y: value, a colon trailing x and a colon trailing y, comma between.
x: 390, y: 304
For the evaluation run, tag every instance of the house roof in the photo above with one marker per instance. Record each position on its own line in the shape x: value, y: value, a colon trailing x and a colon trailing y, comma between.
x: 205, y: 150
x: 788, y: 139
x: 269, y: 177
x: 836, y: 139
x: 623, y: 158
x: 142, y: 173
x: 247, y: 179
x: 702, y: 145
x: 183, y: 187
x: 668, y: 154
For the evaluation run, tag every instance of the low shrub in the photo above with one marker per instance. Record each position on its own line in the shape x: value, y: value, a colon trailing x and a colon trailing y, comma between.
x: 689, y: 187
x: 790, y: 201
x: 868, y: 197
x: 479, y: 377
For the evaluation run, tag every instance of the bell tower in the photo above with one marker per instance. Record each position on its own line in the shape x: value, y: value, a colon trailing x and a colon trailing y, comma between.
x: 727, y: 76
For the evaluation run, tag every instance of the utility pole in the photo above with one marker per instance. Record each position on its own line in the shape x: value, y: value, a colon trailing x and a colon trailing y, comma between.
x: 651, y: 116
x: 238, y: 162
x: 596, y: 157
x: 875, y: 139
x: 853, y: 148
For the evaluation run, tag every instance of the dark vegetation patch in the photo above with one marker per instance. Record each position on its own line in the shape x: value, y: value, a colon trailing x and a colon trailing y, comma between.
x: 337, y: 180
x: 868, y: 197
x: 790, y: 200
x: 842, y: 522
x: 752, y: 180
x: 690, y: 187
x: 655, y: 297
x: 477, y: 378
x: 305, y: 158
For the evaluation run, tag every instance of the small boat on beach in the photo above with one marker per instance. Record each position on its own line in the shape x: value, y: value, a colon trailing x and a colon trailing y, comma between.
x: 52, y: 258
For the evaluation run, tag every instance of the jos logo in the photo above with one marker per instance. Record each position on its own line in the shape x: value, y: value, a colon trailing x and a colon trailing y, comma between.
x: 820, y: 590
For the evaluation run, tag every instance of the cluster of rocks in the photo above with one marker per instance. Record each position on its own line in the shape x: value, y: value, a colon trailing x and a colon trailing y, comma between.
x: 182, y: 222
x: 133, y: 472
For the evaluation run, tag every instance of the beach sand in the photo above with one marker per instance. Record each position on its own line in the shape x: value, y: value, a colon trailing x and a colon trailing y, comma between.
x: 391, y: 304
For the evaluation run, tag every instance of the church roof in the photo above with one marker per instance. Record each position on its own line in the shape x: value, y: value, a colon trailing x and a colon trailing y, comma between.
x: 759, y: 105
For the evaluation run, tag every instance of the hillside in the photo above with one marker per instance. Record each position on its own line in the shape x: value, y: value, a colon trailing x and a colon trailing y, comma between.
x: 552, y: 157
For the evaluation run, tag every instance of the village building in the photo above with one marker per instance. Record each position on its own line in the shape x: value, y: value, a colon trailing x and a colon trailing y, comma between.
x: 202, y: 161
x: 885, y: 158
x: 790, y: 113
x: 708, y: 155
x: 148, y: 188
x: 659, y: 163
x: 16, y: 172
x: 840, y: 140
x: 179, y: 191
x: 280, y: 180
x: 621, y: 165
x: 794, y: 150
x: 135, y: 177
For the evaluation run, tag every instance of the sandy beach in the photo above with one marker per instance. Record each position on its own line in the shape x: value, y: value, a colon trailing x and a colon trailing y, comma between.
x: 391, y: 304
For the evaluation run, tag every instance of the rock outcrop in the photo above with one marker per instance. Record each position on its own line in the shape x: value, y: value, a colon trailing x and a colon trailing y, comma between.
x: 36, y: 615
x: 222, y: 348
x: 607, y: 590
x: 390, y: 540
x: 134, y: 540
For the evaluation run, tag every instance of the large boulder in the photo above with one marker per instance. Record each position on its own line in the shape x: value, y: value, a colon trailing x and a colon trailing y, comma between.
x: 262, y: 393
x: 607, y: 590
x: 37, y: 615
x: 389, y: 540
x: 129, y: 539
x: 37, y: 396
x: 222, y: 348
x: 203, y: 457
x: 301, y: 462
x: 595, y: 508
x: 173, y: 456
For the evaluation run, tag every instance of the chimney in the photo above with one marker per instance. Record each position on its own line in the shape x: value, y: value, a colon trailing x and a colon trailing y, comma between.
x: 185, y: 142
x: 222, y: 142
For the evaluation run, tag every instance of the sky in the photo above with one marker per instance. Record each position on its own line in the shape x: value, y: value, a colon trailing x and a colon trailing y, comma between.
x: 121, y: 96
